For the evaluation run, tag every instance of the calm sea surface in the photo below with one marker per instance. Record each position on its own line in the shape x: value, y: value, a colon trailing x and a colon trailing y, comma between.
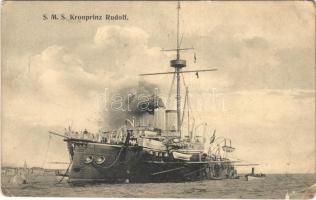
x: 273, y: 186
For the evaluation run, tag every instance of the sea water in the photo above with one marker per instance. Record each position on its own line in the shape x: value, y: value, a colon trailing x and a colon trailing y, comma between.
x: 274, y: 186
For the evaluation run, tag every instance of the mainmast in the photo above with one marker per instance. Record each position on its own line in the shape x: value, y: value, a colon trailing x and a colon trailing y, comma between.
x: 178, y: 64
x: 178, y: 29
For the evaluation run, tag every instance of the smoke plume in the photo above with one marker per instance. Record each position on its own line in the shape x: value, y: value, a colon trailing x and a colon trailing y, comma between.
x: 133, y: 101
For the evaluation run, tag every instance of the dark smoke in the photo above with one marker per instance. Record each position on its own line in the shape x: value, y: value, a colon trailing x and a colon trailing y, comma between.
x: 137, y: 100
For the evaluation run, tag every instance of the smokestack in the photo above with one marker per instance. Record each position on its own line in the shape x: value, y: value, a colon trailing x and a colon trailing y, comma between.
x: 160, y: 118
x: 171, y: 120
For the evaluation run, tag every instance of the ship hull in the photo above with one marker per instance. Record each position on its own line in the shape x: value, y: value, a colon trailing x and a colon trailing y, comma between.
x: 134, y: 164
x: 251, y: 178
x: 116, y: 166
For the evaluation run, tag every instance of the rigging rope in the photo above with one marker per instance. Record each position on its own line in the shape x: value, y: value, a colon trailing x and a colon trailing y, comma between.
x: 65, y: 172
x: 194, y: 112
x: 189, y: 105
x: 48, y: 145
x: 45, y: 158
x: 184, y: 107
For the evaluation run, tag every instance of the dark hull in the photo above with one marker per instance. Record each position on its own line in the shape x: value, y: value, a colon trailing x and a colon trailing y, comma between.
x: 135, y: 164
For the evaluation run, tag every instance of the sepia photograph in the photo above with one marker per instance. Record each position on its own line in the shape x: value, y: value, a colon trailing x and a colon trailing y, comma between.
x: 158, y: 99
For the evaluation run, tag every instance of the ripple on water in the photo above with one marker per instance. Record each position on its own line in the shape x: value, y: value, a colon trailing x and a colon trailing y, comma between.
x: 274, y: 186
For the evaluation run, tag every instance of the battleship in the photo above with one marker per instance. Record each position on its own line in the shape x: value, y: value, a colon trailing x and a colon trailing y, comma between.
x: 152, y: 146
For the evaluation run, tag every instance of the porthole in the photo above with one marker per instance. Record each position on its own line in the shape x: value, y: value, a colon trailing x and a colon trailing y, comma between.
x: 88, y: 159
x: 99, y: 160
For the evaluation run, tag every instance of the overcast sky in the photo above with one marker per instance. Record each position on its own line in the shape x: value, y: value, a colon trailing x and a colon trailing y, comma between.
x: 262, y: 96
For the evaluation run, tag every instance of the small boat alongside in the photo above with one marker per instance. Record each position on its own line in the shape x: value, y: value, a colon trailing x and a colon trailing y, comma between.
x: 253, y: 176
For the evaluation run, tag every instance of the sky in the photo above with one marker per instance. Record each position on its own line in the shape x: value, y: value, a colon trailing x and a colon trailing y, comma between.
x: 55, y: 73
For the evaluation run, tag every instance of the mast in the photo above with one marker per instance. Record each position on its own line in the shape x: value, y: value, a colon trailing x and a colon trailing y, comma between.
x: 178, y: 64
x: 178, y: 29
